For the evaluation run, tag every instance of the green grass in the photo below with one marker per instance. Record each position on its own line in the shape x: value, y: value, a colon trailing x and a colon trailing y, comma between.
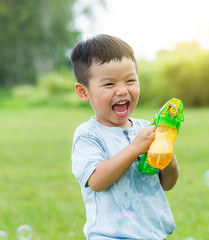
x: 189, y: 198
x: 37, y: 187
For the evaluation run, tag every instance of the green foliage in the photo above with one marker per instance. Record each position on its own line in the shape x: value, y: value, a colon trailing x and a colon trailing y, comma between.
x: 55, y: 83
x: 27, y: 95
x: 182, y: 73
x: 35, y: 37
x: 53, y: 89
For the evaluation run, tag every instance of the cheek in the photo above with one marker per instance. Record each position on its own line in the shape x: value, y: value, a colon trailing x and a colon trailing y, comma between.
x: 136, y: 92
x: 102, y: 99
x: 105, y: 96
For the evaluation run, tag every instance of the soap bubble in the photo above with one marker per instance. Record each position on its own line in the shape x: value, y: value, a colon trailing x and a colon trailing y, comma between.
x: 189, y: 238
x: 24, y: 232
x: 3, y: 235
x: 206, y: 178
x: 127, y: 218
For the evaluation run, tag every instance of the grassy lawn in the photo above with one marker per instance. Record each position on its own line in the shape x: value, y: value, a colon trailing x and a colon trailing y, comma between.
x: 38, y: 189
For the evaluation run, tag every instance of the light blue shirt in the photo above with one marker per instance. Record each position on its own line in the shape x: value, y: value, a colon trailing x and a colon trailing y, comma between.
x: 134, y: 207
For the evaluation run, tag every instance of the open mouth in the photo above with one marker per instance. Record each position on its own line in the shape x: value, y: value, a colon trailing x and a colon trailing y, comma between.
x: 121, y: 108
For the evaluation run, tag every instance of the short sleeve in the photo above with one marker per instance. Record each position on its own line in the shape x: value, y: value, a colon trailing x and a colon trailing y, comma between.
x: 87, y: 153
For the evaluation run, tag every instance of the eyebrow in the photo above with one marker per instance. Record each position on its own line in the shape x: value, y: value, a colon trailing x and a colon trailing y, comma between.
x: 131, y: 74
x: 106, y: 78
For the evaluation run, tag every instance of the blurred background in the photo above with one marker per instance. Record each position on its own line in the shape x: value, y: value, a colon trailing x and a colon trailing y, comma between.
x: 39, y: 109
x: 170, y: 40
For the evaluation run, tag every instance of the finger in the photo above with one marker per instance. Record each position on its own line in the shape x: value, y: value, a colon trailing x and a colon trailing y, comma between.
x: 151, y: 130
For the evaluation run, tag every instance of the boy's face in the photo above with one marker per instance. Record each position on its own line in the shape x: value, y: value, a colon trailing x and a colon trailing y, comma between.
x: 113, y: 92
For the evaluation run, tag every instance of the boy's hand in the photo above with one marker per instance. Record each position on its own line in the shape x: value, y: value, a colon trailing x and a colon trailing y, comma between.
x: 110, y: 170
x: 144, y: 138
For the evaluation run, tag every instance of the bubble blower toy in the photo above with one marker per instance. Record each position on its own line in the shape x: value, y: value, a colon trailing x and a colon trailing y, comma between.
x: 160, y: 153
x: 24, y: 232
x: 3, y: 235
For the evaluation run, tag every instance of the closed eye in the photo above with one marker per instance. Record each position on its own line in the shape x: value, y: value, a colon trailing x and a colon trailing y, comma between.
x: 108, y: 84
x: 131, y: 81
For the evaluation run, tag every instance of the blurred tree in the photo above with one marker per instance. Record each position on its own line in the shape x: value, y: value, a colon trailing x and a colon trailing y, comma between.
x: 182, y: 73
x: 186, y: 72
x: 34, y: 37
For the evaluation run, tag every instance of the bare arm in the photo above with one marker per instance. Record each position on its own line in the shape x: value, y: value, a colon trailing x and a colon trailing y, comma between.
x: 169, y: 175
x: 112, y: 169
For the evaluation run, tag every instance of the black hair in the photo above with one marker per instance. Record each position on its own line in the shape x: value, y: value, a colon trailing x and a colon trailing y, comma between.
x: 102, y: 49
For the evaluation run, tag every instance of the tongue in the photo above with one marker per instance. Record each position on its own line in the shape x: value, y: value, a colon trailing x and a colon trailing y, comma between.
x: 119, y: 108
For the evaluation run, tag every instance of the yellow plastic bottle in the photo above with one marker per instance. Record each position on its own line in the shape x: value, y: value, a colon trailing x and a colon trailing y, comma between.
x: 160, y: 152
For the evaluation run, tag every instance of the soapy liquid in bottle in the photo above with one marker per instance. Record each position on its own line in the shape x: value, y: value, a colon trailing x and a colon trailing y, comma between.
x: 160, y: 152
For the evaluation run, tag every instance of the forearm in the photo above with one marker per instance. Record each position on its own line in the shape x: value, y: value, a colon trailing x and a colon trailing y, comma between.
x: 109, y: 171
x: 112, y: 169
x: 169, y: 175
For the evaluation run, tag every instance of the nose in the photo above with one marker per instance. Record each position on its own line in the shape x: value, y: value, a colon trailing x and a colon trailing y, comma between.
x: 121, y: 90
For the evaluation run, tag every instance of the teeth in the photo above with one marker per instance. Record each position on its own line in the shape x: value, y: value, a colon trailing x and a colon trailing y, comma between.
x: 121, y: 103
x: 121, y: 112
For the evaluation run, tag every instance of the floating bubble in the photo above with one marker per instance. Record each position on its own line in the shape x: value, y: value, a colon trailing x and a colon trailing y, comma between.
x: 206, y: 178
x: 189, y: 238
x: 3, y: 235
x: 24, y: 232
x: 128, y: 219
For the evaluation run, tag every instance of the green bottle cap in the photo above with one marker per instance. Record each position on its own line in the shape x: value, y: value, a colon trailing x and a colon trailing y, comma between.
x: 170, y: 115
x: 168, y: 122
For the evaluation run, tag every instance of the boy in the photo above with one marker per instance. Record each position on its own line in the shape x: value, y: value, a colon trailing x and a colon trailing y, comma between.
x: 120, y: 202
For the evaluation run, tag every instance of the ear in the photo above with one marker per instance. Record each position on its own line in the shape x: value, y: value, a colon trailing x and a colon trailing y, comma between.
x: 82, y: 91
